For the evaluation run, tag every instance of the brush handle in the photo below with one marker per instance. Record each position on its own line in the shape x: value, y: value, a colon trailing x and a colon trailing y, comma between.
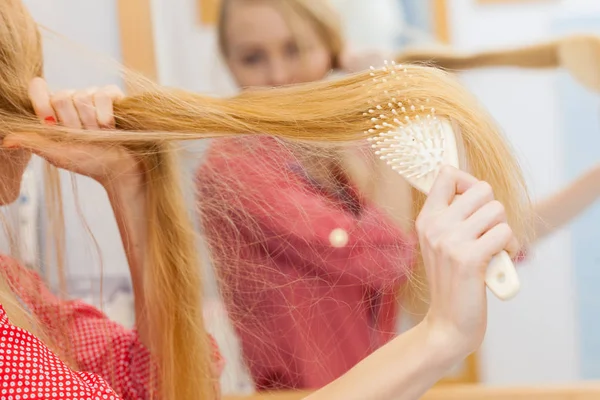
x: 501, y: 277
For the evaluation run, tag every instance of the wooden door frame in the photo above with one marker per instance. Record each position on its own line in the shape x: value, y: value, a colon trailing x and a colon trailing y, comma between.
x: 138, y: 50
x: 208, y: 14
x: 441, y: 20
x: 137, y: 31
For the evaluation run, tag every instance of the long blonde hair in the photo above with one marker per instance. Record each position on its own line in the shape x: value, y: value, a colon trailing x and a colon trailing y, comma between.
x: 318, y: 13
x: 322, y: 113
x: 172, y: 284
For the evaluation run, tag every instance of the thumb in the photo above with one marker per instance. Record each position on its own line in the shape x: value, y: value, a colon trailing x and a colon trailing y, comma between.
x: 449, y: 183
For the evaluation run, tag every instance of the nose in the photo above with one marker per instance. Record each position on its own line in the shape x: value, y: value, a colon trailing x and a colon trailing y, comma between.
x: 279, y: 73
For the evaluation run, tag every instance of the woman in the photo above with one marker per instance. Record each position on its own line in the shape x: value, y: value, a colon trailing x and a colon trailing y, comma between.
x: 104, y: 352
x: 142, y: 181
x: 286, y: 210
x: 458, y: 236
x: 292, y: 213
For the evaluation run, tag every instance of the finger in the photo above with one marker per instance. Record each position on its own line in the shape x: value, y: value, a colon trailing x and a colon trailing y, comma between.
x: 40, y: 99
x: 494, y: 241
x: 84, y: 105
x: 449, y: 182
x: 104, y: 100
x: 482, y: 220
x: 514, y: 247
x: 476, y: 197
x: 64, y: 107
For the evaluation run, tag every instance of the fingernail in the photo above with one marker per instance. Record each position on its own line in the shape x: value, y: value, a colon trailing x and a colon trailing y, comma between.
x: 50, y: 120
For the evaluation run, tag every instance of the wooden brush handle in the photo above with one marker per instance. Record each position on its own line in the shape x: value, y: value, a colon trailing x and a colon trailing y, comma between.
x: 501, y: 277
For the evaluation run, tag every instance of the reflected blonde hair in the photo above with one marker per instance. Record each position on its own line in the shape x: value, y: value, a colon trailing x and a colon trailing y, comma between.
x: 318, y: 13
x: 322, y: 113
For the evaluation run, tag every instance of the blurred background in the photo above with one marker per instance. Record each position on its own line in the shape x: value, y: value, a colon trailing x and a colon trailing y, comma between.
x: 550, y: 333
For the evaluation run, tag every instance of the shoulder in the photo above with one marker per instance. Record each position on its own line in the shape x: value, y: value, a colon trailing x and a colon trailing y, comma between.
x: 24, y: 281
x: 31, y: 367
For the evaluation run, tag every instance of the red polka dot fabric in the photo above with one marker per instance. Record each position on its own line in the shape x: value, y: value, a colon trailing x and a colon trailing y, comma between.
x: 29, y: 370
x: 112, y: 362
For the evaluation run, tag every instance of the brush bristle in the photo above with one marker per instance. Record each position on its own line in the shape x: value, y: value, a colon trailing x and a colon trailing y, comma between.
x: 405, y: 133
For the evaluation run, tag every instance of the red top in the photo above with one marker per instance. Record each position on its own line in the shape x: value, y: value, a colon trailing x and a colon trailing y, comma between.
x: 111, y: 360
x: 306, y: 307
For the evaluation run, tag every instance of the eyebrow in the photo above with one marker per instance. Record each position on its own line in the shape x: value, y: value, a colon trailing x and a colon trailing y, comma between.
x: 245, y: 43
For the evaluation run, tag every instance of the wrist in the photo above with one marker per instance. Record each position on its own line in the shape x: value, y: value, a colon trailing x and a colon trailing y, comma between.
x: 445, y: 345
x: 125, y: 177
x: 124, y: 189
x: 125, y: 186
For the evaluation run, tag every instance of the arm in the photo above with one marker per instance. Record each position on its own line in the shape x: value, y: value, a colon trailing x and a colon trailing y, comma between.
x: 455, y: 251
x: 557, y: 210
x: 128, y: 201
x: 404, y: 369
x: 49, y: 375
x: 99, y: 345
x: 93, y: 342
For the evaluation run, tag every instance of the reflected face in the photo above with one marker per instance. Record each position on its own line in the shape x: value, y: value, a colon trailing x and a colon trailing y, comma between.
x: 12, y: 167
x: 261, y: 49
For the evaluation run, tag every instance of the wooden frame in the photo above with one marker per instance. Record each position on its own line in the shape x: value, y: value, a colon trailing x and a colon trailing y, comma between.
x: 441, y: 20
x: 208, y: 14
x: 508, y: 1
x: 590, y: 391
x: 208, y: 11
x: 137, y: 37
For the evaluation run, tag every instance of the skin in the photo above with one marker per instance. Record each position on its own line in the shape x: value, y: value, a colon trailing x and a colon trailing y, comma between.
x: 114, y: 168
x: 261, y: 50
x: 460, y: 228
x: 256, y: 31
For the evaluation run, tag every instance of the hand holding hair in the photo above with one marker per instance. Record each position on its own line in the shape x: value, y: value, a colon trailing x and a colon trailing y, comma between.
x: 86, y: 109
x: 323, y: 113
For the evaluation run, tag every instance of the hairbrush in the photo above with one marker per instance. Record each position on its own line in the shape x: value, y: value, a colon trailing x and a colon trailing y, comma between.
x: 414, y: 142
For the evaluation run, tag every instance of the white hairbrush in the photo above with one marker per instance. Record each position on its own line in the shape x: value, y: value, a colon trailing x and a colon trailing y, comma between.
x: 417, y: 148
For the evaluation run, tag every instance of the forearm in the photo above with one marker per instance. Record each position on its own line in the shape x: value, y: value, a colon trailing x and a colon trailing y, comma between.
x: 128, y: 201
x: 403, y: 370
x: 555, y: 211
